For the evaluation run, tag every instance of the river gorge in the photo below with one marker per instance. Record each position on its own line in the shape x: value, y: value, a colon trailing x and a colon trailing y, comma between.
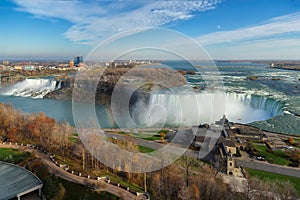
x: 268, y: 103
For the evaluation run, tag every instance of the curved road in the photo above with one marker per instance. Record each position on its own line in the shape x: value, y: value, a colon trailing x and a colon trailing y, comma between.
x: 102, y: 185
x: 244, y: 161
x: 264, y: 166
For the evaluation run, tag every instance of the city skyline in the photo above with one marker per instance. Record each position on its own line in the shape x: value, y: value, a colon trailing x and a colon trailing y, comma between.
x: 227, y: 29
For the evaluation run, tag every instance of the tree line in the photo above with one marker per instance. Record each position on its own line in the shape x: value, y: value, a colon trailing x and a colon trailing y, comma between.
x: 34, y: 128
x: 187, y: 178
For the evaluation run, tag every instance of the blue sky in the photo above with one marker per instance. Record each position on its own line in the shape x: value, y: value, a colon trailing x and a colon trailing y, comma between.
x: 227, y: 29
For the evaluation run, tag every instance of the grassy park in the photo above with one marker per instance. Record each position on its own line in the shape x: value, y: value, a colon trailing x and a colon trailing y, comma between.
x: 76, y: 191
x: 144, y: 149
x: 276, y: 157
x: 13, y: 155
x: 145, y: 136
x: 272, y: 177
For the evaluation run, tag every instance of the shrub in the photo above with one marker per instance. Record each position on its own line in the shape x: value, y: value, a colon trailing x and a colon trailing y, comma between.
x: 294, y: 164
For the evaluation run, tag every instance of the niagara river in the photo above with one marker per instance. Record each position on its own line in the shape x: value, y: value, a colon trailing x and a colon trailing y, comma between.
x: 253, y: 94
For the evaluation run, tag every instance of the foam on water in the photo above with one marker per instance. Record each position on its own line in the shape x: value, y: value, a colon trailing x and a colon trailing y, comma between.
x: 35, y: 88
x: 192, y: 109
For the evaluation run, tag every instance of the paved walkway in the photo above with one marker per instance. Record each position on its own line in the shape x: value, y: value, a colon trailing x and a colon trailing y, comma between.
x: 102, y: 185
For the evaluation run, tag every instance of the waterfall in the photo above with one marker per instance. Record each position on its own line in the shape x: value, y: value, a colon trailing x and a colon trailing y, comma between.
x: 58, y: 85
x: 35, y: 88
x: 271, y: 106
x: 192, y: 109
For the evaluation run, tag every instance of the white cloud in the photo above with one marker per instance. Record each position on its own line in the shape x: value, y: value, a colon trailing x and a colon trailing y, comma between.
x: 97, y: 20
x: 274, y: 48
x: 272, y: 28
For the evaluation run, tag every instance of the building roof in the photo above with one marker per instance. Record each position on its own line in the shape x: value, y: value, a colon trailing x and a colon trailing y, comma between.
x: 199, y: 138
x: 224, y: 133
x: 229, y: 143
x: 16, y: 181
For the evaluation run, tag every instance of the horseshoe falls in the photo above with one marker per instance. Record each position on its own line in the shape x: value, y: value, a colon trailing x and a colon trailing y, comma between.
x: 192, y: 109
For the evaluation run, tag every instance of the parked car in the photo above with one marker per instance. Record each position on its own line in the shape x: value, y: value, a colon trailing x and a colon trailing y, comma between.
x: 260, y: 158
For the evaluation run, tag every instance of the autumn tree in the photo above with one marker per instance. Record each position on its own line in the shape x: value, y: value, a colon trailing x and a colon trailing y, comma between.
x: 291, y: 140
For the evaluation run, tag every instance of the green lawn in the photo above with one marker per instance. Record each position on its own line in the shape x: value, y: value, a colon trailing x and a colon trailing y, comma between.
x: 146, y: 136
x: 152, y: 138
x: 79, y: 192
x: 276, y: 157
x: 122, y: 133
x: 125, y: 183
x: 73, y: 139
x: 271, y: 176
x: 13, y: 155
x: 144, y: 149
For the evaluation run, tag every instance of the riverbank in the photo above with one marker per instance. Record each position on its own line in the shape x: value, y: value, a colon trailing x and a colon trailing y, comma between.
x: 101, y: 83
x: 74, y: 155
x: 286, y: 66
x: 257, y: 129
x: 261, y: 96
x: 10, y: 77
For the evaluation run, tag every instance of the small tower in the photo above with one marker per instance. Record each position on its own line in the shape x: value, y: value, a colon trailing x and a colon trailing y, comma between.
x: 230, y: 164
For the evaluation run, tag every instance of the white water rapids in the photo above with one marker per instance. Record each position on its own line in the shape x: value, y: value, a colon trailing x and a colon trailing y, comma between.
x: 35, y: 88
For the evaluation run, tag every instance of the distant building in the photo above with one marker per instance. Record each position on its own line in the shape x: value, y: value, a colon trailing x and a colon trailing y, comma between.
x: 28, y: 67
x: 5, y: 62
x: 78, y: 60
x: 18, y: 67
x: 80, y: 65
x: 113, y: 64
x: 40, y: 67
x: 51, y: 67
x: 71, y: 63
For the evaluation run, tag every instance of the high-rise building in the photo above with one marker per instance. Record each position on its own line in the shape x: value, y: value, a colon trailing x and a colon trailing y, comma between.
x: 77, y: 60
